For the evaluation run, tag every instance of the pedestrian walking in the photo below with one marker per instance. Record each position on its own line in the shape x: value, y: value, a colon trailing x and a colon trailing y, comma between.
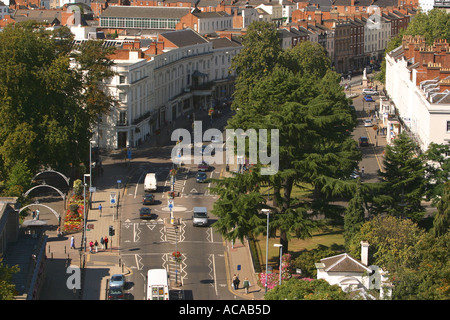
x: 102, y: 242
x: 233, y: 281
x: 72, y: 243
x: 100, y: 209
x: 236, y: 286
x: 106, y: 242
x: 91, y: 246
x: 246, y: 285
x: 37, y: 214
x: 362, y: 172
x: 34, y: 214
x: 96, y: 246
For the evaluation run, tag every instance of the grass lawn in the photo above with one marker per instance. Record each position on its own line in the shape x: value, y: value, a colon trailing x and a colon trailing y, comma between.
x: 334, y: 236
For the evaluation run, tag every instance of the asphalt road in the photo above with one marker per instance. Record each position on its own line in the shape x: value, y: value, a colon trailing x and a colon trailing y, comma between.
x: 147, y: 244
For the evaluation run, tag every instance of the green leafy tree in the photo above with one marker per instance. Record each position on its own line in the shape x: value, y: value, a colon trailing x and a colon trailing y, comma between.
x: 298, y: 289
x: 307, y: 259
x: 260, y: 54
x: 354, y: 215
x: 428, y: 278
x: 403, y: 180
x: 304, y: 102
x: 441, y: 218
x: 7, y: 288
x: 437, y: 170
x: 393, y: 246
x: 433, y: 25
x: 50, y: 97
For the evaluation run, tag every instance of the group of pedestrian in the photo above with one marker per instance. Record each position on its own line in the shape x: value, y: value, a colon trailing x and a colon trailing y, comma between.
x: 236, y: 281
x: 92, y: 245
x: 35, y: 214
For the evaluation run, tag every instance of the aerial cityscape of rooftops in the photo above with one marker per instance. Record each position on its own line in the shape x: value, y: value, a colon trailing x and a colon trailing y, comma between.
x: 224, y: 150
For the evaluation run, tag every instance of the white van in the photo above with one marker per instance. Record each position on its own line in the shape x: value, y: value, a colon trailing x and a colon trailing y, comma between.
x: 200, y: 217
x: 157, y: 284
x: 150, y: 183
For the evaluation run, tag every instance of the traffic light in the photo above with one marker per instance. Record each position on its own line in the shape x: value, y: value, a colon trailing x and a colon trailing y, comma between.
x: 111, y: 231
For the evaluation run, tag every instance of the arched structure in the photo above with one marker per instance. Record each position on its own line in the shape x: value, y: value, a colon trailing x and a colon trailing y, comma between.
x: 47, y: 171
x: 57, y: 215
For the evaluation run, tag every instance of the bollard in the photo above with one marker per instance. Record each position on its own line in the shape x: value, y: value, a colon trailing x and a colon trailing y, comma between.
x: 51, y: 257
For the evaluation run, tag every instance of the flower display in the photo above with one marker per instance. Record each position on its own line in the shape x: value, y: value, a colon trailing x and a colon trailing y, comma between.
x: 177, y: 256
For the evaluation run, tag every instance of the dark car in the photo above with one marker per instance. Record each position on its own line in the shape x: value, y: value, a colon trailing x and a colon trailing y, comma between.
x: 148, y: 199
x: 363, y: 142
x: 204, y: 166
x: 115, y: 293
x: 201, y: 177
x: 145, y: 213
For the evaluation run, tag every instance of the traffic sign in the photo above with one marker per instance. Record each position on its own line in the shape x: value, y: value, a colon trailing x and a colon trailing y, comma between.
x: 112, y: 198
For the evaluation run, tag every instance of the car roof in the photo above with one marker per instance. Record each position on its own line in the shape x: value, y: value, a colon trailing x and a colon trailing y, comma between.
x: 363, y: 137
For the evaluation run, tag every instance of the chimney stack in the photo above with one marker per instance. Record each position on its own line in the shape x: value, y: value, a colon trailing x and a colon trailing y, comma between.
x: 365, y: 253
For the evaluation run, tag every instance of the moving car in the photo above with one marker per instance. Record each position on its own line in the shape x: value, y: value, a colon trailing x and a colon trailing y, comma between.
x: 148, y: 198
x: 115, y: 293
x: 200, y: 217
x: 368, y: 123
x: 203, y: 166
x: 370, y: 92
x: 117, y: 281
x: 150, y: 183
x: 201, y: 177
x: 145, y: 213
x: 363, y: 141
x: 368, y: 99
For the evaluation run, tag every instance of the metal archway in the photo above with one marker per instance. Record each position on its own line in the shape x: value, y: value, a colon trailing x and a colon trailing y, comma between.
x: 63, y: 176
x: 57, y: 215
x: 49, y: 186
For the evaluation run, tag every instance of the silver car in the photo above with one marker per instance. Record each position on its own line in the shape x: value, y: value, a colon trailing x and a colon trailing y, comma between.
x: 369, y: 92
x: 117, y: 281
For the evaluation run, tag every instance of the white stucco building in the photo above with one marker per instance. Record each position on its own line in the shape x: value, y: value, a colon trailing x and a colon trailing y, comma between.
x: 418, y: 85
x: 354, y: 275
x: 160, y: 80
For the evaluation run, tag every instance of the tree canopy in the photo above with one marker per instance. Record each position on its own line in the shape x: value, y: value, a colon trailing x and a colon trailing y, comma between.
x: 50, y: 96
x: 301, y: 98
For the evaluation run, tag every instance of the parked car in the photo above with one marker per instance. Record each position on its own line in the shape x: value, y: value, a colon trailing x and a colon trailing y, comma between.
x: 201, y: 177
x: 117, y: 281
x: 148, y: 198
x: 363, y: 141
x: 370, y: 92
x: 115, y: 293
x: 368, y: 123
x: 354, y: 174
x: 368, y: 99
x: 145, y: 213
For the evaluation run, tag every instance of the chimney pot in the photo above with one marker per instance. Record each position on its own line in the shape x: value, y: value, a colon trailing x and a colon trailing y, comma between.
x: 365, y: 252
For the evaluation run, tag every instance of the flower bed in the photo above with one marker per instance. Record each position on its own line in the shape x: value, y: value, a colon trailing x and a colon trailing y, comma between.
x: 73, y: 221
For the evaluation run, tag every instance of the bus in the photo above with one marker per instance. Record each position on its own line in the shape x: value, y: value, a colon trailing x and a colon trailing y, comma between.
x: 157, y: 284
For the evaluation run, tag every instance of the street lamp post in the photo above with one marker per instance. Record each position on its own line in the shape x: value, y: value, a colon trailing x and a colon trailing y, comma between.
x: 281, y: 254
x: 84, y: 210
x: 267, y: 211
